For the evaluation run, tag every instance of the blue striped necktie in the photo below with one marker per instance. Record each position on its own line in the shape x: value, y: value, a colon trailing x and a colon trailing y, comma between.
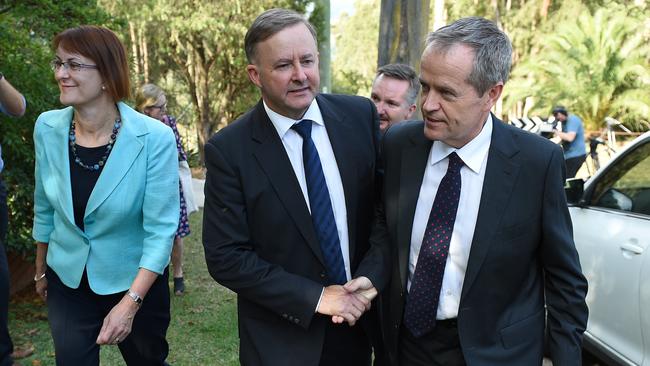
x: 322, y: 215
x: 424, y: 294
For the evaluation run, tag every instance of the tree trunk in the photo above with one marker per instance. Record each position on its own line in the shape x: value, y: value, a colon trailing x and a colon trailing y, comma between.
x: 324, y: 48
x: 145, y: 55
x: 439, y: 14
x: 403, y: 25
x: 134, y: 47
x: 544, y: 10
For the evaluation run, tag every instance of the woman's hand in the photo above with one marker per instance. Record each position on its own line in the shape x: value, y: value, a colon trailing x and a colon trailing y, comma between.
x: 41, y: 288
x: 118, y: 322
x: 41, y: 266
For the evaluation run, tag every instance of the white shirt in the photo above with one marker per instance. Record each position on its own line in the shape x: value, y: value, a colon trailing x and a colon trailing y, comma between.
x: 474, y: 155
x: 293, y: 145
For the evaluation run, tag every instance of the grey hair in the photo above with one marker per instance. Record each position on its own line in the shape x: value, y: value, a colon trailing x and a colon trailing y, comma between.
x: 492, y: 49
x: 268, y: 24
x: 402, y: 72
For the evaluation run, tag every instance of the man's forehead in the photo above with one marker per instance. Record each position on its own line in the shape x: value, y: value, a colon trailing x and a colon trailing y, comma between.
x: 390, y: 82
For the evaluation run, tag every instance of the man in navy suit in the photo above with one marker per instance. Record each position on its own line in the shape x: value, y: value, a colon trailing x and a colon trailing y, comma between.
x: 293, y: 163
x: 483, y: 259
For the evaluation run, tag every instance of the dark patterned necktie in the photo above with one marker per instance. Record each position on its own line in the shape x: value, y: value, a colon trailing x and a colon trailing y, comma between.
x: 322, y: 214
x: 423, y: 296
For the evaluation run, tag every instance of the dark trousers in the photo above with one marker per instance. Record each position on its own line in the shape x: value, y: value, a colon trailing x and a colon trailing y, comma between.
x: 345, y: 346
x: 6, y: 347
x: 76, y: 317
x: 573, y: 165
x: 440, y: 347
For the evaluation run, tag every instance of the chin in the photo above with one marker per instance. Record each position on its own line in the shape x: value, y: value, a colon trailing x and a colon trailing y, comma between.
x: 433, y: 134
x: 65, y: 101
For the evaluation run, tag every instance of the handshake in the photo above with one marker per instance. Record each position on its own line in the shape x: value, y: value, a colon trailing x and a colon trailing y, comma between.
x: 347, y: 302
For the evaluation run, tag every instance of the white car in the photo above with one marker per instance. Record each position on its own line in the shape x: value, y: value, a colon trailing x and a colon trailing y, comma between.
x: 611, y: 223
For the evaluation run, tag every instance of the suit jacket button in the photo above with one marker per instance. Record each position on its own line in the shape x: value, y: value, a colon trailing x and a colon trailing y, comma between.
x: 322, y: 275
x: 284, y: 316
x: 296, y: 320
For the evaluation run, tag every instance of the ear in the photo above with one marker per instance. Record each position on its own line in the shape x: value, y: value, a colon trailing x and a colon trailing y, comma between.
x: 493, y: 95
x: 412, y: 109
x: 254, y: 75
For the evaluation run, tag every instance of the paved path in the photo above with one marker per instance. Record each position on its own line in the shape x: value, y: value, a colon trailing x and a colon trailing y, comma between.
x: 197, y: 185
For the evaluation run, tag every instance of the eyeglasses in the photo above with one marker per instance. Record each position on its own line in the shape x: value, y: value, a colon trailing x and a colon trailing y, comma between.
x: 70, y: 65
x: 162, y: 107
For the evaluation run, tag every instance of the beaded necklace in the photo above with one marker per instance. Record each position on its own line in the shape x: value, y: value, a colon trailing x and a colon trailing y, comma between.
x: 109, y: 147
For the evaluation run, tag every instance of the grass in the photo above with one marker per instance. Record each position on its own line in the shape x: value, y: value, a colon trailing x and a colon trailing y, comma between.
x: 203, y: 328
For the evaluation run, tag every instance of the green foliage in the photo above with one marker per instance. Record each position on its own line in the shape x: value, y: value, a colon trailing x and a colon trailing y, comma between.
x: 595, y: 65
x: 195, y: 52
x: 355, y: 53
x: 24, y: 58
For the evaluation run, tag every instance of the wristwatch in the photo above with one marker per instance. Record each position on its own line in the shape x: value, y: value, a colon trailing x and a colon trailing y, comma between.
x: 135, y: 297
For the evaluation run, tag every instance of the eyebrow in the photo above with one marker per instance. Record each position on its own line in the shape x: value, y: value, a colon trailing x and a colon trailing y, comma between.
x: 73, y: 58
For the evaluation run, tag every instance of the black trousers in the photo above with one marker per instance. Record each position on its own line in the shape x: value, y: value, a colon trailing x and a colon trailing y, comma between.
x: 6, y: 347
x: 345, y: 346
x: 76, y: 317
x: 573, y: 165
x: 440, y: 347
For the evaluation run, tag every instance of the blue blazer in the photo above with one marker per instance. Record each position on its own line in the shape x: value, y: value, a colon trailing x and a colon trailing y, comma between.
x: 132, y: 213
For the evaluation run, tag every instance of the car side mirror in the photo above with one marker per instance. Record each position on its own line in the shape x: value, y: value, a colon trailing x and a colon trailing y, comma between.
x: 574, y: 188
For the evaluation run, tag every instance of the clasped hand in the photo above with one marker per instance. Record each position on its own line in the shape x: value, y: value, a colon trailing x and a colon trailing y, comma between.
x: 347, y: 302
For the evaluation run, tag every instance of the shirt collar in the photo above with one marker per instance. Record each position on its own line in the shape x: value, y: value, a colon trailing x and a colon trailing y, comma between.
x: 472, y: 154
x: 283, y: 124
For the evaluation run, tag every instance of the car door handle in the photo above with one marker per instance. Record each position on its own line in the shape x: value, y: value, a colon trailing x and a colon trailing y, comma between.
x: 631, y: 248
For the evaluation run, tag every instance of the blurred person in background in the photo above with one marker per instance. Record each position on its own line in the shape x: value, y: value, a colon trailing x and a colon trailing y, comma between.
x: 105, y: 208
x: 151, y: 100
x: 12, y: 104
x: 572, y: 137
x: 394, y: 91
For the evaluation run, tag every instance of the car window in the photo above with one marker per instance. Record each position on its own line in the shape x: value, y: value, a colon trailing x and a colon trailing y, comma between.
x: 626, y: 184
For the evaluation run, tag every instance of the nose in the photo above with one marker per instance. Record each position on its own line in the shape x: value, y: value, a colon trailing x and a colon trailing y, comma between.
x: 380, y: 107
x: 430, y: 102
x: 299, y: 74
x: 61, y: 73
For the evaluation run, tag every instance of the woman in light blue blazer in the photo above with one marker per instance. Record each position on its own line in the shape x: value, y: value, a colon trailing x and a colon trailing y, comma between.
x: 105, y: 208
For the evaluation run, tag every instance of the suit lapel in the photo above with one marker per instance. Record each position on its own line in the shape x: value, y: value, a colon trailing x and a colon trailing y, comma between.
x: 500, y: 176
x: 126, y: 149
x: 341, y: 138
x: 273, y: 160
x: 56, y: 150
x: 413, y: 164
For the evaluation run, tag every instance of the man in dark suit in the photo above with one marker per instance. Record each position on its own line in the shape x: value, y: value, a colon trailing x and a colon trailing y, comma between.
x: 476, y: 216
x: 289, y: 200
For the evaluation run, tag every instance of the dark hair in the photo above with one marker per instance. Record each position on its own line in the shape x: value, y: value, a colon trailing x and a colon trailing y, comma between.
x: 402, y: 72
x: 103, y: 47
x: 560, y: 109
x: 269, y: 23
x: 492, y: 49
